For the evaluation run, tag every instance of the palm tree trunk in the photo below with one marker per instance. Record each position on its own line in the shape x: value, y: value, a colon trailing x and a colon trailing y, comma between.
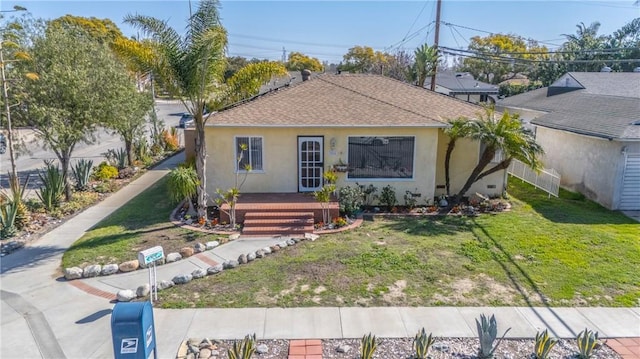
x: 447, y: 163
x: 201, y: 160
x: 487, y: 155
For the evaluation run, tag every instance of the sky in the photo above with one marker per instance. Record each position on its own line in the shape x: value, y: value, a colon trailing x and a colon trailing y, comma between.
x: 327, y: 29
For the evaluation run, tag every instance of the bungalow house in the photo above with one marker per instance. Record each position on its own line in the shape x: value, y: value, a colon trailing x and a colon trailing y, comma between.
x: 463, y: 86
x: 589, y: 126
x: 385, y: 131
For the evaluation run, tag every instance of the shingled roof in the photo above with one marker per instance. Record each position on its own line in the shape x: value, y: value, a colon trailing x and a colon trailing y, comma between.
x: 346, y: 100
x: 602, y: 104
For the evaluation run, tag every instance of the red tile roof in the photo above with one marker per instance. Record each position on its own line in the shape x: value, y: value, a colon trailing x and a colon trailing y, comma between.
x: 347, y: 100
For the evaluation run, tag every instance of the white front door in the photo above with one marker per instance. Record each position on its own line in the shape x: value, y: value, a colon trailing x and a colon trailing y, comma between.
x: 310, y: 163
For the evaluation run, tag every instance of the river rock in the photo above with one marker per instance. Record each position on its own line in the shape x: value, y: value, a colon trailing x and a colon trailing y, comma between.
x: 173, y: 257
x: 262, y: 349
x: 259, y: 253
x: 290, y: 242
x: 274, y: 249
x: 251, y: 256
x: 282, y: 244
x: 186, y: 252
x: 234, y: 236
x: 311, y: 236
x: 164, y: 284
x: 109, y: 269
x: 215, y: 269
x: 129, y: 266
x: 266, y: 250
x: 182, y: 278
x: 198, y: 273
x: 343, y: 348
x: 143, y: 290
x: 205, y: 353
x: 211, y: 245
x: 230, y: 264
x: 125, y: 295
x: 91, y: 271
x: 73, y: 273
x: 242, y: 259
x: 199, y: 247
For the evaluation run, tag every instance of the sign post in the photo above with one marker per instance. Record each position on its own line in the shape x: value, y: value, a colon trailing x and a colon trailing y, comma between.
x: 149, y: 257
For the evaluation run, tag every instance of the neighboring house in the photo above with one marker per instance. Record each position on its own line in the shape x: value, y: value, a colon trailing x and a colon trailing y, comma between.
x: 386, y: 131
x: 589, y: 126
x: 463, y: 86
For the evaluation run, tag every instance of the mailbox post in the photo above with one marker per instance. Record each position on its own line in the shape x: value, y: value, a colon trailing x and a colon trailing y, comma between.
x: 149, y: 257
x: 132, y: 330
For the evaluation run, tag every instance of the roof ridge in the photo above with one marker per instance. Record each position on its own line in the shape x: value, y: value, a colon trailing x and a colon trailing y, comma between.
x: 323, y: 78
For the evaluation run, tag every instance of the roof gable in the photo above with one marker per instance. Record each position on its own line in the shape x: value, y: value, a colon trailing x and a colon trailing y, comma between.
x: 346, y: 100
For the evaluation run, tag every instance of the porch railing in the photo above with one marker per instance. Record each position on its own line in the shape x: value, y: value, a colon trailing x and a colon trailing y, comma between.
x: 547, y: 180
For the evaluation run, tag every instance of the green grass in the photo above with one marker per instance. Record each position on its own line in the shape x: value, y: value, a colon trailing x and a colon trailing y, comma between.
x: 563, y: 251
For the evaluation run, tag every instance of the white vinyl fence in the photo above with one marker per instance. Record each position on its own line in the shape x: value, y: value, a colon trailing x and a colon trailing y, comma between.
x: 547, y: 180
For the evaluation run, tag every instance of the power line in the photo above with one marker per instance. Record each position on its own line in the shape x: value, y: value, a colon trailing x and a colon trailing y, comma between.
x: 513, y: 60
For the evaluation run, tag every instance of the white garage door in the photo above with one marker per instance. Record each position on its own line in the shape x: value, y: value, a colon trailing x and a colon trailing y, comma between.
x: 630, y: 196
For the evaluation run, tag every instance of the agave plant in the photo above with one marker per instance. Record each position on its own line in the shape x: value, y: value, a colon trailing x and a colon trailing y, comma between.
x: 82, y: 173
x: 586, y: 341
x: 369, y: 346
x: 543, y: 345
x: 422, y: 343
x: 243, y: 349
x: 7, y: 219
x: 487, y: 334
x: 52, y: 186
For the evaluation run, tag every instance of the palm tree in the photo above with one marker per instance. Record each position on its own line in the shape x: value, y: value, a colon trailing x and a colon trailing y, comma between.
x: 426, y: 62
x: 182, y: 185
x: 457, y: 130
x: 192, y: 69
x: 504, y: 134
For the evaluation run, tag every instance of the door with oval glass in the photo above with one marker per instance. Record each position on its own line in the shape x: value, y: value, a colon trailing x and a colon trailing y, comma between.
x: 310, y: 163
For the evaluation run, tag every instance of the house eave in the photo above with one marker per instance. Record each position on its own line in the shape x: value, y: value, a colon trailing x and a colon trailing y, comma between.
x: 229, y: 125
x: 577, y: 131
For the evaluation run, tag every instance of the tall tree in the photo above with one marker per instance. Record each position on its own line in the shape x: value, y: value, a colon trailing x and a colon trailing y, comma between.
x: 458, y: 128
x: 500, y: 134
x: 80, y: 84
x: 363, y: 59
x: 426, y: 63
x: 192, y: 68
x: 499, y: 57
x: 299, y: 61
x: 130, y: 117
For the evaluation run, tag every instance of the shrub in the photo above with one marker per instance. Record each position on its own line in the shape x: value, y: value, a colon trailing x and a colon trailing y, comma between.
x: 243, y: 349
x: 8, y: 213
x: 104, y: 172
x: 170, y: 140
x: 350, y: 199
x: 586, y: 341
x: 410, y: 200
x: 369, y: 346
x: 543, y: 345
x: 81, y: 172
x: 52, y: 186
x: 368, y: 194
x: 117, y: 158
x: 388, y: 197
x: 106, y: 187
x: 422, y: 343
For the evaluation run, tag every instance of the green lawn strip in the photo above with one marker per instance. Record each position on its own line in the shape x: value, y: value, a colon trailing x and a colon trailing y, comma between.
x: 128, y: 230
x: 567, y: 250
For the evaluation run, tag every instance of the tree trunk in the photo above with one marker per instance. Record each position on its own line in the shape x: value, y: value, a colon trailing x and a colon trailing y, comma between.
x: 487, y: 155
x: 65, y: 159
x: 447, y: 163
x: 500, y: 166
x: 129, y: 148
x: 201, y: 160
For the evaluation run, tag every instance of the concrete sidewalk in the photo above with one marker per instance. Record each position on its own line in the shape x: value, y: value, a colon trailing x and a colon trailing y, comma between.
x: 43, y: 316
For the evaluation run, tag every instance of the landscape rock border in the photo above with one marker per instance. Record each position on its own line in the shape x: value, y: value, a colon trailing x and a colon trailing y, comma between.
x: 126, y: 295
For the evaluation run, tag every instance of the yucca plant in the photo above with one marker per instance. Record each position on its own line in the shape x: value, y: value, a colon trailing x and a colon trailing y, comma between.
x: 487, y: 334
x: 422, y: 343
x: 369, y: 346
x: 16, y: 195
x: 52, y: 186
x: 544, y: 344
x: 82, y: 173
x: 586, y: 341
x: 243, y: 349
x: 117, y: 158
x: 7, y: 219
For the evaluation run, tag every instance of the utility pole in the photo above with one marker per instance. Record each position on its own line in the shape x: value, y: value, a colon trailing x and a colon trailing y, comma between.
x: 284, y: 55
x: 435, y: 43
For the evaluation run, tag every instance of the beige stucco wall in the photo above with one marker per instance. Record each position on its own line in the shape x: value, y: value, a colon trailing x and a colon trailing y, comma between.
x: 280, y: 158
x: 589, y: 165
x: 464, y: 158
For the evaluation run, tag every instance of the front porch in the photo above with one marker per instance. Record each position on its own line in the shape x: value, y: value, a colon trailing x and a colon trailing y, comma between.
x: 278, y: 213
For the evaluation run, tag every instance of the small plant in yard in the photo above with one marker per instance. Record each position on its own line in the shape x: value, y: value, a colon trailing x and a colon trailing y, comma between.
x: 230, y: 196
x: 368, y: 193
x: 368, y: 346
x: 16, y: 195
x: 410, y: 200
x: 340, y: 222
x: 388, y: 196
x: 104, y: 171
x: 586, y: 341
x: 324, y: 194
x: 117, y: 158
x: 7, y: 219
x: 243, y: 349
x: 543, y: 345
x: 170, y: 139
x: 487, y: 334
x: 350, y: 199
x: 82, y: 174
x: 422, y: 343
x: 182, y: 184
x: 52, y: 186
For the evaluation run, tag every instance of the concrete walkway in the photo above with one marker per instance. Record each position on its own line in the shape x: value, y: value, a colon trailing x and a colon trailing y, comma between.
x: 43, y: 316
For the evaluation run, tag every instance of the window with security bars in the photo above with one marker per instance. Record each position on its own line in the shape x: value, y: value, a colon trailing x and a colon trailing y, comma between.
x: 381, y: 157
x: 251, y: 156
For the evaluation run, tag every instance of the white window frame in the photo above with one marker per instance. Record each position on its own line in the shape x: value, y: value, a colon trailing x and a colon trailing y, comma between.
x: 247, y: 153
x: 386, y: 179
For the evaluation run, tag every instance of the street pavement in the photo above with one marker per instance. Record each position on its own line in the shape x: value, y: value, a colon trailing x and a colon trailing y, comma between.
x: 44, y: 316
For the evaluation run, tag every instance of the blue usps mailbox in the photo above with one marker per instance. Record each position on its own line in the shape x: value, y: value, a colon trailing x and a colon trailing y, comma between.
x: 132, y: 330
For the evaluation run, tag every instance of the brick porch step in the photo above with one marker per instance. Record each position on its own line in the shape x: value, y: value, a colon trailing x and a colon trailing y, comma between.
x: 305, y: 349
x: 278, y: 223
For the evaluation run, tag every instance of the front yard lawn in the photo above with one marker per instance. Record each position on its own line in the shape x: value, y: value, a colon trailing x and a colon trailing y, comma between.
x: 563, y: 251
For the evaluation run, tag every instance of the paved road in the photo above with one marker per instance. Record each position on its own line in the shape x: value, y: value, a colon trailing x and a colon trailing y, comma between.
x: 32, y: 160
